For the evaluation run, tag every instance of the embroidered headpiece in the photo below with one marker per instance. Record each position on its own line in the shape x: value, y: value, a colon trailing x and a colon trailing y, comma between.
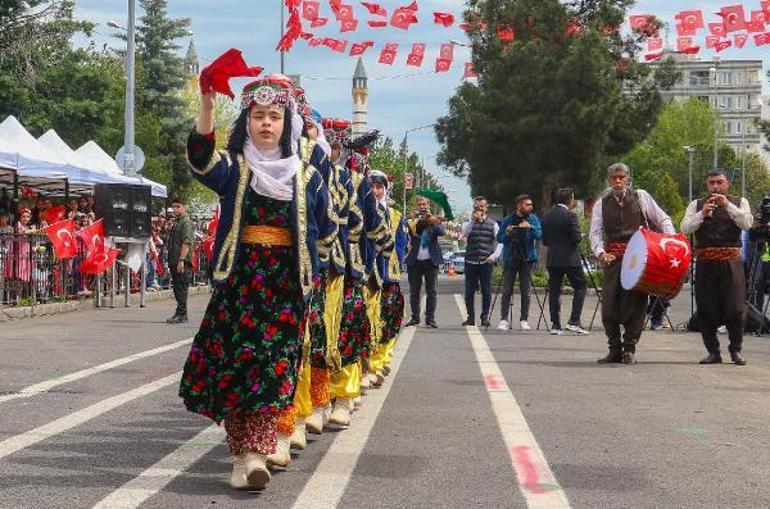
x: 273, y: 89
x: 336, y: 130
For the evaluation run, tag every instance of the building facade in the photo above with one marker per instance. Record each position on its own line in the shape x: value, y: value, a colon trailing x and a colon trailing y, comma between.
x: 733, y: 87
x: 360, y: 92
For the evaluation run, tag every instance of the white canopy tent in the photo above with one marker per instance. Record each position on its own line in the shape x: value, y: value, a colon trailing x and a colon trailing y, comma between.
x: 96, y: 157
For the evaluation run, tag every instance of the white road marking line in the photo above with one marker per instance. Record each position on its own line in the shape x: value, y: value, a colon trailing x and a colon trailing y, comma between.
x: 330, y: 479
x: 23, y: 440
x: 154, y: 479
x: 42, y: 387
x: 537, y: 483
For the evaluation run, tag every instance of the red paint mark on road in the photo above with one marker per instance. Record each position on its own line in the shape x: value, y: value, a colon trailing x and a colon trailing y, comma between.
x: 493, y: 382
x: 525, y: 467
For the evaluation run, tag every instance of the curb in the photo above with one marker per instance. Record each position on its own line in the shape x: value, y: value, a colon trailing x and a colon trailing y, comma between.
x: 57, y: 308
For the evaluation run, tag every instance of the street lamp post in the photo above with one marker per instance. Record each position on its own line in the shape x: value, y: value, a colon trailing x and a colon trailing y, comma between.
x: 713, y: 73
x: 128, y: 136
x: 406, y: 154
x: 282, y: 32
x: 690, y: 152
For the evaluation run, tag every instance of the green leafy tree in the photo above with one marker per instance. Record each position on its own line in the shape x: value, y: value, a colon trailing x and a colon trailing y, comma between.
x: 554, y: 106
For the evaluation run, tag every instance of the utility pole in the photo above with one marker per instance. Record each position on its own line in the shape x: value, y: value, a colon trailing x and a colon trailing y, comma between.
x: 128, y: 141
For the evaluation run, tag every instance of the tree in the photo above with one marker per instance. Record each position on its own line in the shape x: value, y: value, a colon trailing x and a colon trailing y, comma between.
x: 162, y: 95
x: 554, y: 106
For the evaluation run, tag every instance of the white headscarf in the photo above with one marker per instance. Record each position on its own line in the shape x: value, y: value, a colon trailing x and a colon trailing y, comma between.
x: 272, y: 175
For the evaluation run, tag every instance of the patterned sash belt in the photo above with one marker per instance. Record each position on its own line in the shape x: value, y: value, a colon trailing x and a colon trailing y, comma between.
x: 617, y: 249
x: 266, y: 235
x: 718, y: 254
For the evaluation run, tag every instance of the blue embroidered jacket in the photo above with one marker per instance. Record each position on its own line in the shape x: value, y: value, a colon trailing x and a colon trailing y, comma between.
x: 375, y: 233
x: 390, y: 261
x: 227, y: 174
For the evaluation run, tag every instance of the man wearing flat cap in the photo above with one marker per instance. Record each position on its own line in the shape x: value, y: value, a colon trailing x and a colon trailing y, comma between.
x: 616, y: 216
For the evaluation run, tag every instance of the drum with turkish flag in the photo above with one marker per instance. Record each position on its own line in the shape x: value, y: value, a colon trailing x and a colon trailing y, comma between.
x: 655, y: 263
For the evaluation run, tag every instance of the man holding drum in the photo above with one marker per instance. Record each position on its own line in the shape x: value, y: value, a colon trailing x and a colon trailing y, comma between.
x: 720, y: 286
x: 616, y: 217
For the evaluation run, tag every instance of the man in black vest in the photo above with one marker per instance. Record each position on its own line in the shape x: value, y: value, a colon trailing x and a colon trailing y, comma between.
x: 720, y: 283
x: 561, y: 234
x: 481, y: 252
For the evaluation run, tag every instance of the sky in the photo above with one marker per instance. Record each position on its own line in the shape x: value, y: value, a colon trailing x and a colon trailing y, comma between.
x: 400, y: 97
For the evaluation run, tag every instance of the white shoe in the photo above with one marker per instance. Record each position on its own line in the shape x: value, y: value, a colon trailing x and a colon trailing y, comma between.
x: 299, y: 437
x: 556, y: 332
x: 238, y: 478
x: 327, y: 413
x: 356, y: 402
x: 722, y: 329
x: 281, y: 457
x: 503, y: 325
x: 524, y: 325
x: 576, y: 328
x: 341, y: 413
x: 257, y: 473
x: 365, y: 384
x: 314, y: 423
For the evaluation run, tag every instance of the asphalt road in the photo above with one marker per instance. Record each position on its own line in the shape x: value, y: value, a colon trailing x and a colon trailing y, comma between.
x: 469, y: 418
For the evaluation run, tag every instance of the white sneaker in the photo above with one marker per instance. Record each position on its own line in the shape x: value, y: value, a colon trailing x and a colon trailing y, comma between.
x: 576, y: 328
x: 722, y: 329
x: 524, y: 325
x: 503, y: 325
x: 238, y: 478
x: 281, y: 457
x: 556, y: 332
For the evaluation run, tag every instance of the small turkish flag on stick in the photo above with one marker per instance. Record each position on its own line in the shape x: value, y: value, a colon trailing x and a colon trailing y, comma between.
x: 62, y: 235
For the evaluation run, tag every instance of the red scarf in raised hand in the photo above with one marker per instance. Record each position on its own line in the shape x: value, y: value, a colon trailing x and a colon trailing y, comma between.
x: 230, y: 64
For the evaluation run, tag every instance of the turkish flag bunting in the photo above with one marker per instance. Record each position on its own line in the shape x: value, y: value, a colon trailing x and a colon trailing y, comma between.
x: 447, y: 51
x: 391, y: 46
x: 341, y: 46
x: 360, y: 48
x: 310, y: 10
x: 717, y: 29
x: 62, y: 235
x: 722, y: 45
x: 465, y: 27
x: 683, y: 31
x: 292, y: 4
x: 93, y: 237
x: 734, y: 18
x: 443, y: 18
x: 740, y: 40
x: 690, y: 20
x: 655, y: 44
x: 683, y: 43
x: 443, y: 64
x: 755, y: 27
x: 505, y: 33
x: 413, y: 6
x: 98, y: 262
x: 403, y: 17
x: 759, y: 16
x: 375, y: 9
x: 415, y: 59
x: 349, y: 25
x: 692, y: 50
x: 319, y: 22
x: 330, y: 42
x: 653, y: 56
x: 344, y: 12
x: 292, y: 33
x: 762, y: 39
x: 375, y: 23
x: 216, y: 76
x: 766, y: 7
x: 469, y: 71
x: 643, y: 23
x: 306, y: 35
x: 418, y: 48
x: 387, y: 57
x: 314, y: 42
x: 711, y: 41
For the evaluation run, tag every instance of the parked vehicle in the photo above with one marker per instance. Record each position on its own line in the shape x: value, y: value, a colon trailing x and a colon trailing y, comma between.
x: 458, y: 260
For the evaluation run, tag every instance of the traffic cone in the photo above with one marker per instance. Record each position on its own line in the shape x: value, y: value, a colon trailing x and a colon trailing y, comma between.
x: 451, y: 271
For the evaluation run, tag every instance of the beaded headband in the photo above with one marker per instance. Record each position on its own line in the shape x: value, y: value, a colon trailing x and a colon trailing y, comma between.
x: 336, y: 130
x: 267, y: 91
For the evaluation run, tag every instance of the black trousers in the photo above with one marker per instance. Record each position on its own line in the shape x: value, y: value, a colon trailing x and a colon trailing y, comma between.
x: 478, y: 275
x: 524, y: 272
x: 423, y: 269
x: 180, y: 282
x: 720, y: 292
x: 621, y: 307
x: 577, y: 281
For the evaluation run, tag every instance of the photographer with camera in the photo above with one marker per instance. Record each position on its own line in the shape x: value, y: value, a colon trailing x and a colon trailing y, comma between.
x: 720, y: 285
x: 423, y: 260
x: 481, y: 253
x: 758, y: 255
x: 518, y: 234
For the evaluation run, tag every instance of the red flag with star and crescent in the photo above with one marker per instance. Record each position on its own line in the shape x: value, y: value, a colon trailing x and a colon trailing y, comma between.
x: 62, y: 235
x: 375, y: 9
x: 734, y: 18
x: 310, y: 10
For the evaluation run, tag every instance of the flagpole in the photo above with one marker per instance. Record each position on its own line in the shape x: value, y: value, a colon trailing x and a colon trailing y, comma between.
x: 280, y: 2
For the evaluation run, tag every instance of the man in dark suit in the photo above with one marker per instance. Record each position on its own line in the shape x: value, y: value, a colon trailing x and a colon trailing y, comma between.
x: 423, y: 260
x: 561, y: 234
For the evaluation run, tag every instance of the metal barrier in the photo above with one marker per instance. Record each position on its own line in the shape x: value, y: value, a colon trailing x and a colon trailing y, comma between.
x: 30, y: 273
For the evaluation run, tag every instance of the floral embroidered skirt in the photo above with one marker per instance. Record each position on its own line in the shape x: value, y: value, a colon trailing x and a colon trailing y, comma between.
x: 244, y: 358
x: 354, y: 328
x: 391, y: 311
x: 316, y: 323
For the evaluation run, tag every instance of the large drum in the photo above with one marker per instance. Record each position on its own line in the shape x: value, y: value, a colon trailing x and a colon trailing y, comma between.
x: 655, y: 263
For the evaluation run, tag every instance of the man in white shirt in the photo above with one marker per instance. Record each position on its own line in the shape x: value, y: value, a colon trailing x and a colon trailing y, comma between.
x: 616, y: 216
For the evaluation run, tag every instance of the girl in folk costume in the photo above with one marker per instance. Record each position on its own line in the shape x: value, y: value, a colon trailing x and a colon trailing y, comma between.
x: 389, y: 267
x: 366, y: 228
x: 273, y: 227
